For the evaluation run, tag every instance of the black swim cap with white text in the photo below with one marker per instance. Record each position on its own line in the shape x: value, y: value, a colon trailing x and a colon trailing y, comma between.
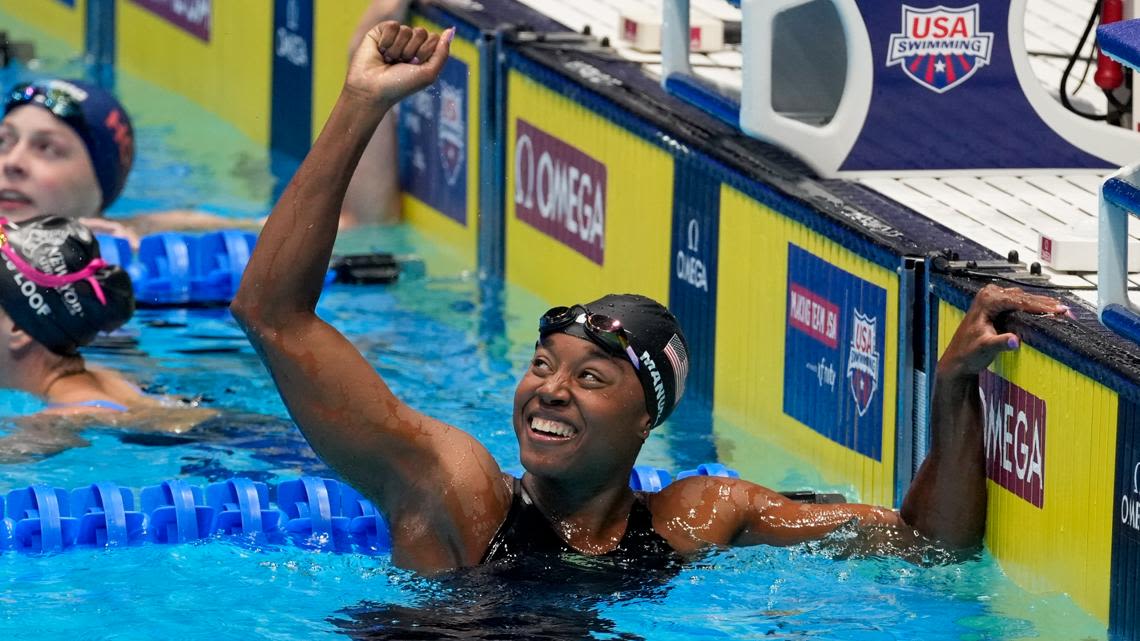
x: 55, y: 286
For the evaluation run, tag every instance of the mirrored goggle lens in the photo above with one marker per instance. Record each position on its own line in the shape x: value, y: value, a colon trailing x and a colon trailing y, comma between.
x: 555, y: 318
x: 55, y: 99
x: 608, y: 330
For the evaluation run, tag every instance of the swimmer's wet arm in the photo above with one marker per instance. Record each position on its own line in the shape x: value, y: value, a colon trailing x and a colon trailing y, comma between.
x: 277, y: 298
x: 350, y: 416
x: 947, y: 500
x: 720, y: 511
x: 286, y: 272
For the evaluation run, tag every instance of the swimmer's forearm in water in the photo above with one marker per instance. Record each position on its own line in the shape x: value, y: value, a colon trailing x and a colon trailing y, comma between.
x: 738, y: 512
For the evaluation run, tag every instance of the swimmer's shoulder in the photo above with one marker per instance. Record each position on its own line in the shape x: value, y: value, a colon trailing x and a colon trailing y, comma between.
x: 122, y: 403
x: 117, y: 386
x: 701, y: 511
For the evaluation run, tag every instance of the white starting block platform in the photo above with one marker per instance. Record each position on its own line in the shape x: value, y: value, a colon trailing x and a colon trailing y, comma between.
x: 1050, y: 218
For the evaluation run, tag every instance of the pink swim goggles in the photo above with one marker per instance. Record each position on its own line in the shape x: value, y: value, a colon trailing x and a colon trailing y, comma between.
x: 44, y: 279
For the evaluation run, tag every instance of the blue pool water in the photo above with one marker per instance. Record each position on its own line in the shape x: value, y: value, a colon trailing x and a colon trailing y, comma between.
x: 452, y: 346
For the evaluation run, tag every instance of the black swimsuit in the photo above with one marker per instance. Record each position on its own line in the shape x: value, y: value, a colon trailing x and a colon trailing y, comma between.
x: 531, y: 586
x: 526, y: 531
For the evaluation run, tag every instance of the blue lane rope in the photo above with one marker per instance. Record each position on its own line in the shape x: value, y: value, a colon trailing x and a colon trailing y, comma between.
x: 310, y: 512
x: 203, y: 270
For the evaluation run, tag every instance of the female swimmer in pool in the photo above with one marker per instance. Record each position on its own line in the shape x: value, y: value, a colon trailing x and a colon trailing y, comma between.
x: 603, y: 375
x: 66, y: 148
x: 56, y: 295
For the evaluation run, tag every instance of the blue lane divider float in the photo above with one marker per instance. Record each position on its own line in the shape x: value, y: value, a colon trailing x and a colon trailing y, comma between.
x: 315, y: 513
x: 312, y: 512
x: 106, y: 516
x: 178, y: 512
x: 241, y: 507
x: 646, y: 478
x: 41, y: 519
x: 185, y: 270
x: 366, y: 526
x: 173, y: 269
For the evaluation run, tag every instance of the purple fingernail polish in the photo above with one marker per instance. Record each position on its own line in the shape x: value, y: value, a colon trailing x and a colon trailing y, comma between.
x: 415, y: 60
x: 1013, y: 342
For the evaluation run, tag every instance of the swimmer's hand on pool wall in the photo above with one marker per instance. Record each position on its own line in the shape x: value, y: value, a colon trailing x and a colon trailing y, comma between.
x: 947, y: 501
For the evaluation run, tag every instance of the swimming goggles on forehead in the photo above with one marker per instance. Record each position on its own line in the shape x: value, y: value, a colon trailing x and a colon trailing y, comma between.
x: 44, y: 279
x: 602, y: 330
x: 57, y: 99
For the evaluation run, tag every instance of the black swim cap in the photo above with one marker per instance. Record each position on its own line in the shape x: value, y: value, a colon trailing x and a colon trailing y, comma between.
x: 657, y: 342
x: 54, y: 285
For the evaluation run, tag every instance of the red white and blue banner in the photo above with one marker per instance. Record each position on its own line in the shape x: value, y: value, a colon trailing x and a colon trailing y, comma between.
x: 834, y: 346
x: 433, y: 143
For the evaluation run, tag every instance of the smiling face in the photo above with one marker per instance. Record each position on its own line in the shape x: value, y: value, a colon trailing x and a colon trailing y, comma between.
x: 44, y: 168
x: 578, y: 411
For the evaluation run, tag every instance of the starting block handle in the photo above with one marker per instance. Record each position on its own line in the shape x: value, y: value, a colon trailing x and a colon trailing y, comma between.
x: 675, y: 39
x: 1119, y: 199
x: 824, y: 147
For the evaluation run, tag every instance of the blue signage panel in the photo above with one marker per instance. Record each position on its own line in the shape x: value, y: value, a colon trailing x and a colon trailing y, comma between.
x: 692, y: 287
x: 433, y: 143
x: 290, y: 127
x: 833, y: 352
x: 692, y: 298
x: 1124, y: 594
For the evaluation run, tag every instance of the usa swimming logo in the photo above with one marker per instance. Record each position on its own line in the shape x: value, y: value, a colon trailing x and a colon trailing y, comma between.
x: 940, y: 47
x: 863, y: 361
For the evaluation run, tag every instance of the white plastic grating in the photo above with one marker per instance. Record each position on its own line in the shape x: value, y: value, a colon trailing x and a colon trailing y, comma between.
x: 999, y: 212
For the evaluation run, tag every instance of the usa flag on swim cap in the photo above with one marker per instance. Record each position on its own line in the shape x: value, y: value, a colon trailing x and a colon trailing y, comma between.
x: 679, y: 359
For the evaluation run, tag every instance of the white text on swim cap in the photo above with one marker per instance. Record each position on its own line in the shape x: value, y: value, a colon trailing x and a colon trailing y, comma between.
x: 29, y: 290
x: 67, y: 292
x: 658, y: 386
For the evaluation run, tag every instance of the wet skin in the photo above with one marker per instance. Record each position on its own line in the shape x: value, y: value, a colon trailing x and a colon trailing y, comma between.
x: 44, y: 168
x: 579, y: 414
x: 580, y: 420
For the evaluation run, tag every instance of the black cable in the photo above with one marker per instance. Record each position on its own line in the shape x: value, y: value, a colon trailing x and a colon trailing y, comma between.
x: 1056, y: 54
x: 1073, y: 61
x: 1088, y: 66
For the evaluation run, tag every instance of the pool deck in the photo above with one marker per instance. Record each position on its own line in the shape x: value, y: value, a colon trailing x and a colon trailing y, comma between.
x: 999, y: 211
